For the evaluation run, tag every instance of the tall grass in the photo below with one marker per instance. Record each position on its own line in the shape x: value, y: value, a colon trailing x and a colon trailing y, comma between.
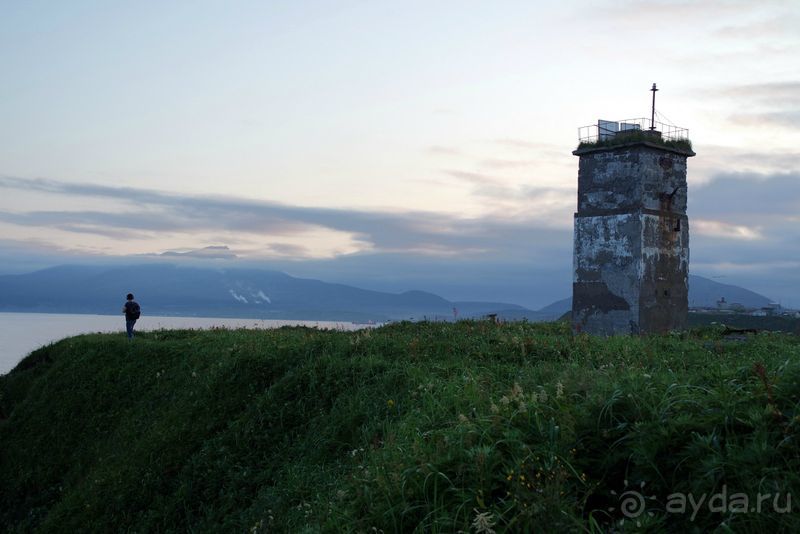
x: 426, y: 427
x: 637, y: 136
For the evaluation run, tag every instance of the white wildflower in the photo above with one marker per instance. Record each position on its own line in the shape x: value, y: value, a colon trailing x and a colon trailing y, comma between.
x: 483, y: 522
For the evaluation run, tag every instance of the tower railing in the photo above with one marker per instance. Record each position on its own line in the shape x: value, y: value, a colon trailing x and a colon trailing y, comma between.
x: 606, y: 130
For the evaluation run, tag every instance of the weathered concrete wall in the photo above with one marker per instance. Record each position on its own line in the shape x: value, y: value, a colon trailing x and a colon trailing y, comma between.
x: 605, y: 285
x: 664, y: 295
x: 631, y: 253
x: 630, y: 178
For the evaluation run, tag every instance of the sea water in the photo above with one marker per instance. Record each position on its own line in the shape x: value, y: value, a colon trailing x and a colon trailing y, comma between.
x: 22, y: 333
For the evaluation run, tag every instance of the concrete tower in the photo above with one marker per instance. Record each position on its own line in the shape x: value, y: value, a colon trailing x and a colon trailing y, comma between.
x: 631, y: 257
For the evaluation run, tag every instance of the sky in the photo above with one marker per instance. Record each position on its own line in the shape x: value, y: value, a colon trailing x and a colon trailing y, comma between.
x: 390, y: 145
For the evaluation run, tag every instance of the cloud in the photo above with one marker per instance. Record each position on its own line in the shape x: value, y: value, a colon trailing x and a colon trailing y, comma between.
x: 291, y: 251
x: 767, y: 104
x: 764, y: 93
x: 475, y: 178
x: 507, y: 200
x: 668, y: 12
x: 513, y: 254
x: 110, y: 224
x: 534, y: 151
x: 712, y: 158
x: 500, y: 163
x: 439, y: 150
x: 725, y: 230
x: 486, y: 187
x: 785, y: 119
x: 210, y: 252
x: 485, y: 258
x: 742, y: 226
x: 774, y: 27
x: 518, y: 143
x: 158, y: 212
x: 744, y: 197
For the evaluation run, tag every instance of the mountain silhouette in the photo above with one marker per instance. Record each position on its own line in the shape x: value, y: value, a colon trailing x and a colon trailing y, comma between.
x: 167, y: 289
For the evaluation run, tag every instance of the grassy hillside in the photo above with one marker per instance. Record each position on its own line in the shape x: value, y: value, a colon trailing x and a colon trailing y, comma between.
x: 776, y: 323
x: 430, y: 427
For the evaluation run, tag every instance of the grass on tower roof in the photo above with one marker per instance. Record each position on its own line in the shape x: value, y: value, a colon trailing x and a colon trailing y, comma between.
x: 637, y: 136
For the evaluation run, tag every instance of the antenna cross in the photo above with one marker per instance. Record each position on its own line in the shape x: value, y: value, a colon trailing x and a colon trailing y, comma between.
x: 653, y: 112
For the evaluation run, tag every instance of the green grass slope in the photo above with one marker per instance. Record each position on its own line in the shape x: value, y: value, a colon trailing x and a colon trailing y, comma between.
x: 425, y: 427
x: 774, y: 323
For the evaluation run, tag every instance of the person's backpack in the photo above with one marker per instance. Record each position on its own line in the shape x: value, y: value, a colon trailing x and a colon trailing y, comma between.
x: 135, y: 310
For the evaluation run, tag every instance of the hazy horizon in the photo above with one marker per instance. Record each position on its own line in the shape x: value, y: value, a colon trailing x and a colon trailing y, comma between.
x: 23, y: 333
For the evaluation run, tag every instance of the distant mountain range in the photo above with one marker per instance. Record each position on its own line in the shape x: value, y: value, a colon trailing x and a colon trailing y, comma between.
x: 703, y: 293
x: 164, y: 289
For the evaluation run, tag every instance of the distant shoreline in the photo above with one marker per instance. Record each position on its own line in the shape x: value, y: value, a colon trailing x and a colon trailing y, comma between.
x: 25, y: 332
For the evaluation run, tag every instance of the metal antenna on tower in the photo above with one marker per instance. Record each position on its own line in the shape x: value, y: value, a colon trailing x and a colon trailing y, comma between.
x: 653, y: 113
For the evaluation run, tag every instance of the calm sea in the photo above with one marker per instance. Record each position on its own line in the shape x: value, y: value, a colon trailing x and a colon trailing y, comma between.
x: 22, y: 333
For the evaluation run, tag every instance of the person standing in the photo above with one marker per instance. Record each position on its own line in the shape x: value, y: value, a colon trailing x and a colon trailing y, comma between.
x: 132, y: 311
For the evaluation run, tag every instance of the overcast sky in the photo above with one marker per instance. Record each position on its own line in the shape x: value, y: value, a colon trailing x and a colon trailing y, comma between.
x: 403, y: 145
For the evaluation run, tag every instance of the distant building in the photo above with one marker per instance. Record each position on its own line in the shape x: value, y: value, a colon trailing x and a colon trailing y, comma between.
x: 631, y: 250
